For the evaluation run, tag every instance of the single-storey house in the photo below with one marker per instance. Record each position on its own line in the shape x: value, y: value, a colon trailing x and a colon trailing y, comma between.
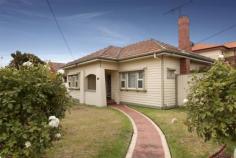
x: 142, y: 73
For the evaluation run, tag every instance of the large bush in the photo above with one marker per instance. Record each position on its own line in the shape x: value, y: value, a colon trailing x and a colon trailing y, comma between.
x: 28, y: 97
x: 212, y: 103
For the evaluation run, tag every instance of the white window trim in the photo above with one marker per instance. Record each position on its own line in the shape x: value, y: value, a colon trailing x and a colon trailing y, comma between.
x: 170, y: 69
x: 122, y: 79
x: 126, y: 80
x: 142, y: 83
x: 136, y: 73
x: 78, y: 81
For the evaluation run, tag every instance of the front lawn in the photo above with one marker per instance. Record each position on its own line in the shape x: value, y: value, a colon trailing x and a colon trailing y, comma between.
x: 91, y: 132
x: 182, y: 144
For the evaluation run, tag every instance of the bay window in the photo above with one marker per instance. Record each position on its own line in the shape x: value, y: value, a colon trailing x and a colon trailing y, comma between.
x: 132, y: 80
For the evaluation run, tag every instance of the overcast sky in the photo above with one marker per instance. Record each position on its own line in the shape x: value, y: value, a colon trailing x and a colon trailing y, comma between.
x: 88, y: 25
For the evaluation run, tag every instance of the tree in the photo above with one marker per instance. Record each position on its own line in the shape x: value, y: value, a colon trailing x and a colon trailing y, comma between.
x: 19, y: 59
x: 212, y: 103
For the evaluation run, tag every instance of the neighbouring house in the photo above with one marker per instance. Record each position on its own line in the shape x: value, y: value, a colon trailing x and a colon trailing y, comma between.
x: 54, y: 66
x: 142, y: 73
x: 214, y: 50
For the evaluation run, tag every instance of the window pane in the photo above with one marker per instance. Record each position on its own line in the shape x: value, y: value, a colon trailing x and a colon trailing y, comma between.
x: 140, y: 75
x: 132, y: 79
x: 122, y: 84
x: 91, y: 82
x: 73, y: 80
x: 170, y: 74
x: 140, y: 83
x: 123, y: 76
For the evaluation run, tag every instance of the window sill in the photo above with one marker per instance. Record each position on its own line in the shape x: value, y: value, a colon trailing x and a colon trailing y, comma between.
x: 90, y: 90
x: 73, y: 88
x: 134, y: 90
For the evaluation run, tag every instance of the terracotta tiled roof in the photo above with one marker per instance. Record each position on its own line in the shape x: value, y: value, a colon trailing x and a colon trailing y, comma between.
x: 110, y: 52
x: 230, y: 44
x: 202, y: 46
x: 134, y: 50
x: 55, y: 66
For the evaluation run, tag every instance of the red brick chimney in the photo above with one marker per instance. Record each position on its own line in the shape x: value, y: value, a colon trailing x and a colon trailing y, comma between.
x: 184, y: 43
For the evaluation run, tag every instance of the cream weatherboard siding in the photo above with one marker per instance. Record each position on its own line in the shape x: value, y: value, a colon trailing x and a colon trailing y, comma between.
x: 214, y: 54
x: 152, y: 96
x: 159, y: 91
x: 196, y: 66
x: 170, y: 84
x: 115, y: 86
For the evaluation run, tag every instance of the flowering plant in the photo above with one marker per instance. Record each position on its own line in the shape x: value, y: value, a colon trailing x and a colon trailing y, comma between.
x: 28, y: 97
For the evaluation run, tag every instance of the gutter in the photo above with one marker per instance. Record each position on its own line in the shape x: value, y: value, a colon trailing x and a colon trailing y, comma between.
x: 185, y: 56
x: 146, y: 55
x: 87, y: 62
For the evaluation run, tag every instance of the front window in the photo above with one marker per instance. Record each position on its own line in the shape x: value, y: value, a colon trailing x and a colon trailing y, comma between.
x: 73, y: 81
x: 132, y: 80
x: 91, y: 82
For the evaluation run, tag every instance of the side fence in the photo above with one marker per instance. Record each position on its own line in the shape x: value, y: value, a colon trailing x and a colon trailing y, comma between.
x: 182, y: 87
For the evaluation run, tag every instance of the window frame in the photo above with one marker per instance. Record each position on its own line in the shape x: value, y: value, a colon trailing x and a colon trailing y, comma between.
x: 137, y: 80
x: 167, y: 73
x: 123, y: 80
x: 73, y: 83
x: 87, y: 84
x: 140, y: 79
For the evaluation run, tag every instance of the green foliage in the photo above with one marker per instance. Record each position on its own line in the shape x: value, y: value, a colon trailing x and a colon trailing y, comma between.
x: 28, y: 97
x: 212, y: 103
x: 19, y: 59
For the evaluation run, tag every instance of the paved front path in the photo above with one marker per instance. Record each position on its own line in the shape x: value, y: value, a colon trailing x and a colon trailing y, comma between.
x: 147, y: 141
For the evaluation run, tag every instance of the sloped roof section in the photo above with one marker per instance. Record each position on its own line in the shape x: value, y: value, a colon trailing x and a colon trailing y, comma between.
x: 55, y: 66
x: 110, y: 52
x: 138, y: 49
x: 202, y: 46
x: 230, y: 44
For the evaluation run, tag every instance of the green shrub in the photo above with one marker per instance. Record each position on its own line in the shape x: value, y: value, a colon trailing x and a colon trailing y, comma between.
x: 28, y: 97
x: 212, y: 103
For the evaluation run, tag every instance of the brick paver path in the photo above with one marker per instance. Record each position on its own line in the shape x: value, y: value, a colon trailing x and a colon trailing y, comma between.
x: 148, y: 143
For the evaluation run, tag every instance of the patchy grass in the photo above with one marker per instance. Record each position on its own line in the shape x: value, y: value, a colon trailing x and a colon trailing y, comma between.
x: 91, y: 132
x: 182, y: 143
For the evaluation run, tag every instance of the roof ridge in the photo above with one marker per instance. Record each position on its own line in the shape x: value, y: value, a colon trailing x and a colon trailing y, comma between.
x: 106, y: 49
x: 158, y: 43
x: 136, y: 43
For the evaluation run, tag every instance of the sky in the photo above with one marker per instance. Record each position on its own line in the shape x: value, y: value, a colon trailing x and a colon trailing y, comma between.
x: 89, y: 25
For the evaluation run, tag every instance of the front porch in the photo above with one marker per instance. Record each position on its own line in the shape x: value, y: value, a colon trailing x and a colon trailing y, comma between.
x: 99, y: 85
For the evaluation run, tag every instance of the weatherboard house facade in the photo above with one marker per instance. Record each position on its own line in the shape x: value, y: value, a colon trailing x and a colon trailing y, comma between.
x: 143, y: 73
